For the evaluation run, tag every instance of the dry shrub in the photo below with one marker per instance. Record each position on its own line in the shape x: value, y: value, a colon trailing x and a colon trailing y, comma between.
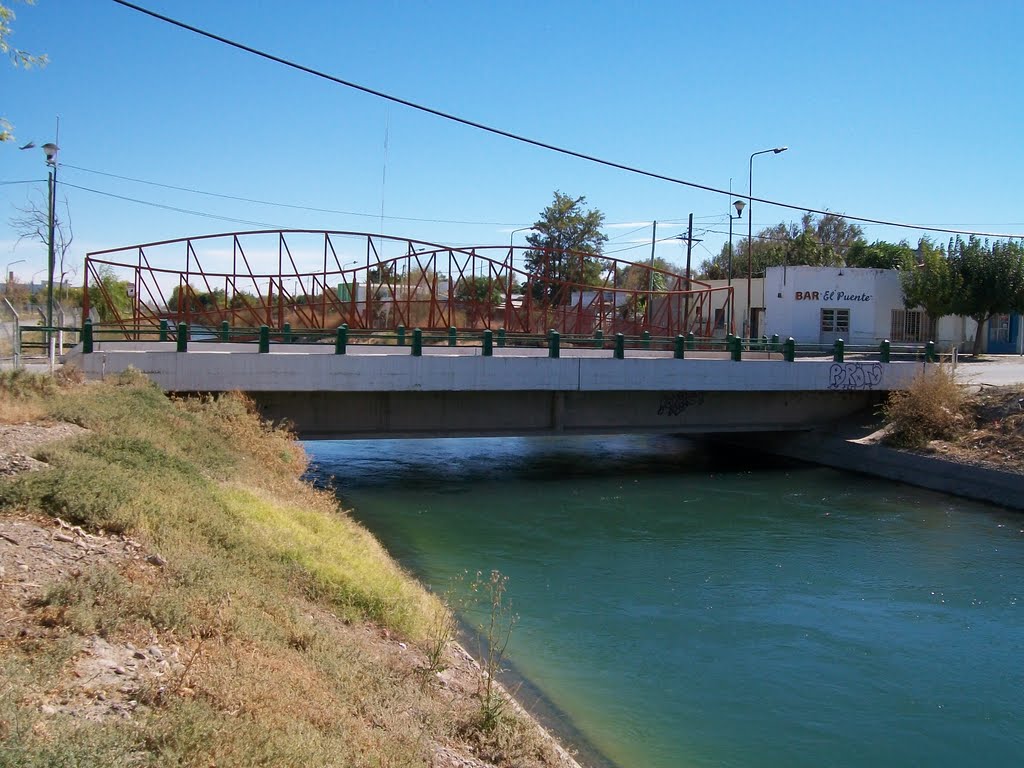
x: 934, y: 407
x: 22, y: 395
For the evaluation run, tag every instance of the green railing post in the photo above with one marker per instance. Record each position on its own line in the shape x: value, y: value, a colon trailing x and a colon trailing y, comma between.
x: 764, y: 343
x: 501, y: 337
x: 775, y: 342
x: 598, y: 338
x: 488, y: 343
x: 554, y: 343
x: 736, y: 349
x: 417, y: 342
x: 264, y: 338
x: 225, y: 330
x: 341, y: 339
x: 789, y: 350
x: 87, y: 336
x: 620, y: 346
x: 287, y: 333
x: 164, y: 327
x: 452, y: 335
x: 182, y: 337
x: 401, y: 335
x: 837, y: 351
x: 930, y: 355
x: 884, y: 350
x: 691, y: 341
x: 645, y: 338
x: 680, y: 347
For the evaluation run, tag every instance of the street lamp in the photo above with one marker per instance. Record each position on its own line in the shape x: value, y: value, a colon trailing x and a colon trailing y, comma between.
x: 511, y: 258
x: 50, y: 149
x: 750, y: 223
x: 739, y: 205
x: 65, y: 273
x: 7, y: 272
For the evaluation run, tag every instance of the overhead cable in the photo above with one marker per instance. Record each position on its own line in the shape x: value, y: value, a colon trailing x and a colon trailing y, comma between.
x: 525, y: 139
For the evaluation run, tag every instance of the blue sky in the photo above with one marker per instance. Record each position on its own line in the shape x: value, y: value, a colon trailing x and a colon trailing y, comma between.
x: 906, y: 111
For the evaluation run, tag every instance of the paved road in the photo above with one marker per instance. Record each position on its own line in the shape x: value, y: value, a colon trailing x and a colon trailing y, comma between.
x: 993, y: 370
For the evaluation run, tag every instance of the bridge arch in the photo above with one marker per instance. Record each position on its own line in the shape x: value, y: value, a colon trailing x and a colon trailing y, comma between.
x: 320, y: 279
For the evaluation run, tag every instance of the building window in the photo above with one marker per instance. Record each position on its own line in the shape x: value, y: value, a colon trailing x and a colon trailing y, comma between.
x: 719, y: 318
x: 911, y: 325
x: 835, y: 321
x: 999, y: 329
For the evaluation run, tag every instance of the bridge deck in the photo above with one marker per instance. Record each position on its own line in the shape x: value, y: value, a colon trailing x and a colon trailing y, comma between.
x: 384, y: 391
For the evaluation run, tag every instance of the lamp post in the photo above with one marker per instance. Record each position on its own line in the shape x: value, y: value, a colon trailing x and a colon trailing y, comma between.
x: 511, y: 258
x: 64, y: 274
x: 750, y: 223
x: 739, y: 205
x: 7, y: 272
x: 50, y: 149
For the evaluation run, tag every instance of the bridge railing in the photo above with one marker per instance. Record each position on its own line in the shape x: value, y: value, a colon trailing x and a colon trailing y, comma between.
x: 322, y: 279
x: 734, y: 348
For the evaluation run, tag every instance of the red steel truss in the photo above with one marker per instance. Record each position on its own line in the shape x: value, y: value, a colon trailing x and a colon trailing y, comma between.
x: 325, y: 278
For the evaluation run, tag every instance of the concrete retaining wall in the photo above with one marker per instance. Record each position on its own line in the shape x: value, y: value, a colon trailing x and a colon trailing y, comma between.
x: 982, y: 484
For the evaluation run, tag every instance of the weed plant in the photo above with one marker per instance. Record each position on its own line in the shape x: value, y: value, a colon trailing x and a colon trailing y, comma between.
x: 493, y: 633
x: 934, y: 407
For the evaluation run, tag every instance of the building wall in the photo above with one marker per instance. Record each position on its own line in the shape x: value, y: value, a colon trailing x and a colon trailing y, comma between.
x: 796, y: 296
x: 739, y: 310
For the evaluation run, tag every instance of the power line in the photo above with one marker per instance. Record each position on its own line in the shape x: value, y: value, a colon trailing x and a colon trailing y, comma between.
x: 524, y: 139
x: 279, y: 205
x: 627, y: 234
x: 224, y: 196
x: 173, y: 208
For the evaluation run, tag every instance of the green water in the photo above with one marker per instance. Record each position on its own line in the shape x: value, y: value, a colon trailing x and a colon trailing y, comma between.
x: 680, y: 611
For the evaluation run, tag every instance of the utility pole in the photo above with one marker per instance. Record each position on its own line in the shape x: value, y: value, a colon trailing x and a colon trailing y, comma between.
x: 650, y: 276
x: 688, y: 237
x: 689, y: 250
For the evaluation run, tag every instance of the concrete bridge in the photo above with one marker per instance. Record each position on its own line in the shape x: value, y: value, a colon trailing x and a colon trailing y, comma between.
x: 384, y: 391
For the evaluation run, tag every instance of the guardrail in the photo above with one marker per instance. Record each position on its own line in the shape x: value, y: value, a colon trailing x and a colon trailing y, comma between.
x: 735, y: 347
x: 36, y: 340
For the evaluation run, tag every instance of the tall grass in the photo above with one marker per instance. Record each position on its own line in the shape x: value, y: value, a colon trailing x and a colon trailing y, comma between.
x: 273, y: 596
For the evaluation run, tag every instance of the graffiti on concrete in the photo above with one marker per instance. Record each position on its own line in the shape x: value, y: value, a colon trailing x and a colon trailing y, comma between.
x: 854, y: 375
x: 674, y: 403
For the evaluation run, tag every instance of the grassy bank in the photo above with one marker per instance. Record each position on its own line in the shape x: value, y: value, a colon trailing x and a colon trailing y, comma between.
x: 286, y: 636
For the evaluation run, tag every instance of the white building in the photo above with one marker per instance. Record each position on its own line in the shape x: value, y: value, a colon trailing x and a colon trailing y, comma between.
x: 859, y: 306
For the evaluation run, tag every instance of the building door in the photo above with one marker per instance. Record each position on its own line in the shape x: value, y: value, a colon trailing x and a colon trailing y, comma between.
x: 835, y: 324
x: 756, y: 317
x: 1003, y: 334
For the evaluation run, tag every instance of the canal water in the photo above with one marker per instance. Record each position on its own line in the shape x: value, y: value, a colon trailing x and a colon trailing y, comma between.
x: 686, y: 609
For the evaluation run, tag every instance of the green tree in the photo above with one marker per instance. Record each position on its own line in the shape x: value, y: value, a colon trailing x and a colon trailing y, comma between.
x: 927, y: 280
x: 480, y: 290
x: 647, y: 276
x: 568, y: 242
x: 989, y: 280
x: 476, y: 295
x: 643, y: 277
x: 879, y: 255
x: 818, y: 241
x: 192, y: 300
x: 17, y: 56
x: 109, y: 296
